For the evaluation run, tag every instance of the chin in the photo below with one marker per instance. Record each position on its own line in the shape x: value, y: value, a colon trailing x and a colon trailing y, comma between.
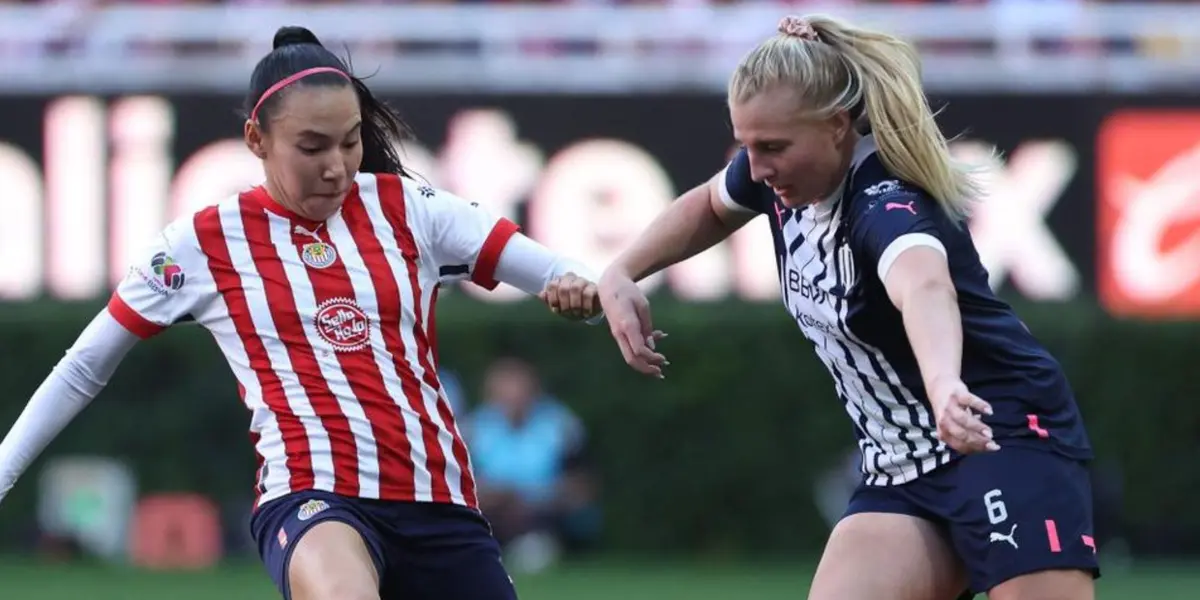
x: 320, y: 208
x: 794, y: 202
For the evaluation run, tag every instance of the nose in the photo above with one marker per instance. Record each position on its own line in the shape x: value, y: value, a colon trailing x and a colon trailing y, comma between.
x: 760, y: 170
x: 335, y: 170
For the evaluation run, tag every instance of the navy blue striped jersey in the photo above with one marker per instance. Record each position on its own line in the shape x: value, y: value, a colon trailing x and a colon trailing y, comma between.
x: 833, y: 257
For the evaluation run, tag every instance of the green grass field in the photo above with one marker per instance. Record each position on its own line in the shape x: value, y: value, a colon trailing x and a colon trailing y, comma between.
x: 602, y: 581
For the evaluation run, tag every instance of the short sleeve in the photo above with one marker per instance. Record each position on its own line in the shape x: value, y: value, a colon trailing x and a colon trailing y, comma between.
x: 895, y: 217
x: 739, y: 191
x: 466, y: 238
x: 163, y: 284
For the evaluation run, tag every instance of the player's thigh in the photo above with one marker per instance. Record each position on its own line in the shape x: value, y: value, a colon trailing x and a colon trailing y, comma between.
x: 331, y: 562
x: 315, y: 543
x: 1021, y: 520
x: 887, y: 556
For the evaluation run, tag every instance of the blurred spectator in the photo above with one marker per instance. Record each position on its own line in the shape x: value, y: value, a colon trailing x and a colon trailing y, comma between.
x: 534, y: 481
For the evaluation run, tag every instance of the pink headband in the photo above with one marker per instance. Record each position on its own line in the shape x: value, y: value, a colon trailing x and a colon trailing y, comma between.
x: 286, y: 81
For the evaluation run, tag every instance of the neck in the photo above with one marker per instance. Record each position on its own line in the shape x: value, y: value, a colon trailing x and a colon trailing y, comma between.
x: 275, y: 191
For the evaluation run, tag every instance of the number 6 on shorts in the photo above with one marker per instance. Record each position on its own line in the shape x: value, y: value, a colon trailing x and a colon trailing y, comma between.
x: 997, y: 513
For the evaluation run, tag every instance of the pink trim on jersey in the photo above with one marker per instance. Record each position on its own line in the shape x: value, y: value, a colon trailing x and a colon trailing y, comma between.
x: 489, y: 256
x: 131, y: 320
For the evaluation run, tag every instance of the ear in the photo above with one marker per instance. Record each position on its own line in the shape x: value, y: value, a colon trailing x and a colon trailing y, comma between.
x: 840, y: 124
x: 254, y: 139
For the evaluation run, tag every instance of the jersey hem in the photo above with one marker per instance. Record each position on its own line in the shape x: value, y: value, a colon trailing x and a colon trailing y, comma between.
x: 271, y: 495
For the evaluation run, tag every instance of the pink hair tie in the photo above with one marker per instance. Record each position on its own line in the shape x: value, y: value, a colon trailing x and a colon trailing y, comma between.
x: 286, y: 81
x: 798, y: 27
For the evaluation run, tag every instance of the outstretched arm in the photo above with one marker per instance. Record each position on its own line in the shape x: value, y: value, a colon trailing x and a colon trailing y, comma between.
x: 164, y: 283
x: 696, y: 221
x: 529, y: 266
x: 74, y: 382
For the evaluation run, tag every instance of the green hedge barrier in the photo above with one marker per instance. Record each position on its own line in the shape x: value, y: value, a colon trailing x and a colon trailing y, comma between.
x: 718, y: 458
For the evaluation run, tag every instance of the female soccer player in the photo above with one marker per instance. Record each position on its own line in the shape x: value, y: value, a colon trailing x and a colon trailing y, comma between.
x: 319, y: 287
x: 973, y: 447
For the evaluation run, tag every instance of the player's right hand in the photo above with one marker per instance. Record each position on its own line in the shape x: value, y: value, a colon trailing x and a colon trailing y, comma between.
x: 957, y: 411
x: 628, y: 313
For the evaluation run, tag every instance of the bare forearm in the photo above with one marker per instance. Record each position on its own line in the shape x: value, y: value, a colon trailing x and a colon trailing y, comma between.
x: 688, y: 227
x: 934, y: 327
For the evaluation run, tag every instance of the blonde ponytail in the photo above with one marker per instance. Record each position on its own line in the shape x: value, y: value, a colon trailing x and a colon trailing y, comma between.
x: 835, y: 66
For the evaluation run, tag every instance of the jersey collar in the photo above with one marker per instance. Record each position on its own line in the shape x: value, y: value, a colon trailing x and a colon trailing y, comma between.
x: 865, y: 147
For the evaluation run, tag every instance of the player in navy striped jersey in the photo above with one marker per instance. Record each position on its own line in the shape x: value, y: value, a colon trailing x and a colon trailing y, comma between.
x: 974, y: 452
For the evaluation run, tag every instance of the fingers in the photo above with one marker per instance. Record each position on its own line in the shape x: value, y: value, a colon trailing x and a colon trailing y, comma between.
x: 637, y: 349
x: 977, y: 404
x: 965, y: 440
x: 642, y: 355
x: 591, y: 299
x: 571, y: 296
x: 643, y: 315
x: 628, y: 314
x: 961, y: 427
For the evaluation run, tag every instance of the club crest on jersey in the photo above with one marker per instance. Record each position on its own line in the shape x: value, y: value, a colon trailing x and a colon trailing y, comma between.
x: 310, y: 509
x: 318, y: 255
x: 343, y: 325
x: 883, y: 188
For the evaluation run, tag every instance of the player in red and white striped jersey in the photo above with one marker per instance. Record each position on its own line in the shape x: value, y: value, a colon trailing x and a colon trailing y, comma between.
x: 320, y: 288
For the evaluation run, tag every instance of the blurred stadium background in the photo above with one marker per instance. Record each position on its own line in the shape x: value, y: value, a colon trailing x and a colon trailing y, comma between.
x: 581, y: 120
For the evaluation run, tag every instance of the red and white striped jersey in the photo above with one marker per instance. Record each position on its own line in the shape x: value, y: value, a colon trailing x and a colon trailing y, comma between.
x: 329, y: 329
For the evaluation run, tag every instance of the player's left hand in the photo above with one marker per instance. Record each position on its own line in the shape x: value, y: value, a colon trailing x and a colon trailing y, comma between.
x: 957, y: 412
x: 572, y: 297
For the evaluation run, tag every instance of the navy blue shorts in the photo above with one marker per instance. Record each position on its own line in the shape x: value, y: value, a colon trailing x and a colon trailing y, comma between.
x: 1007, y: 513
x: 421, y: 550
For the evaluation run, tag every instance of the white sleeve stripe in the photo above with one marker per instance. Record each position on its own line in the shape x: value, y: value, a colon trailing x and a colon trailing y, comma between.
x: 902, y: 243
x: 726, y: 198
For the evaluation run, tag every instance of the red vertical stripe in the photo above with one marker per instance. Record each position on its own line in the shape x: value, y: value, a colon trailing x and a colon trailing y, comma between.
x: 391, y: 196
x: 229, y: 285
x: 396, y: 466
x: 290, y: 330
x: 432, y: 328
x: 463, y: 456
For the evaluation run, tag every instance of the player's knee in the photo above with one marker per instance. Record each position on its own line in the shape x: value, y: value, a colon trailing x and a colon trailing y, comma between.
x: 339, y: 588
x: 1064, y: 584
x: 333, y: 586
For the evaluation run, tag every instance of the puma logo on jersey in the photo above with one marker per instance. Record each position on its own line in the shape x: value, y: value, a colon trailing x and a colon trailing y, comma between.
x: 909, y: 206
x: 1000, y: 537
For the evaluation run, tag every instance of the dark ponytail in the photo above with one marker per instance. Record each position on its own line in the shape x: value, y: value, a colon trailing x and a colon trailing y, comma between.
x: 297, y: 49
